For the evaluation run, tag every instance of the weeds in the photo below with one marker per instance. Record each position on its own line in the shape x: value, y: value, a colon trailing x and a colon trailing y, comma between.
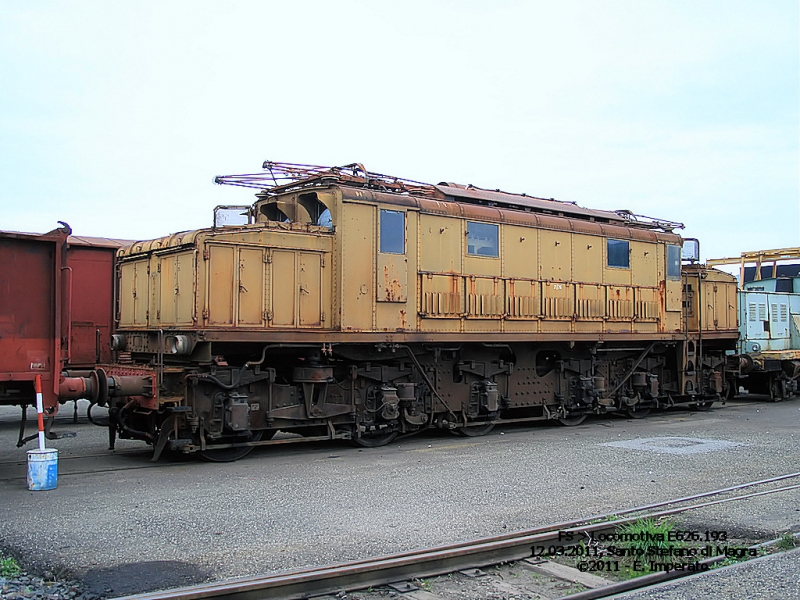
x: 641, y: 541
x: 9, y: 567
x: 787, y: 542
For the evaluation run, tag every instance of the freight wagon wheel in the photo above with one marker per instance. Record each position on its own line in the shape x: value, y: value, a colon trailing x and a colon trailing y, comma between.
x: 374, y: 439
x: 474, y: 430
x: 233, y: 454
x: 572, y: 421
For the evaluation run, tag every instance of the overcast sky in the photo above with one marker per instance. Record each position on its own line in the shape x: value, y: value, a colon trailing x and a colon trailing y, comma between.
x: 116, y: 116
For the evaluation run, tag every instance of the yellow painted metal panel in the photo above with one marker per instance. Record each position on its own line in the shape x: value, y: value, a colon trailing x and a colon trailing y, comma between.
x: 174, y: 289
x: 587, y: 258
x: 558, y: 300
x: 222, y: 275
x: 163, y: 290
x: 442, y: 295
x: 440, y: 325
x: 283, y: 287
x: 481, y: 325
x: 134, y: 293
x: 733, y: 316
x: 309, y: 278
x: 393, y: 316
x: 252, y: 287
x: 357, y: 234
x: 616, y: 275
x: 709, y: 304
x: 648, y: 305
x: 392, y: 278
x: 529, y: 326
x: 672, y: 321
x: 441, y: 243
x: 586, y: 326
x: 522, y: 299
x: 555, y: 255
x: 590, y: 301
x: 485, y: 297
x: 620, y: 302
x: 673, y: 300
x: 482, y: 265
x: 519, y: 251
x: 554, y: 326
x: 644, y: 263
x: 185, y: 288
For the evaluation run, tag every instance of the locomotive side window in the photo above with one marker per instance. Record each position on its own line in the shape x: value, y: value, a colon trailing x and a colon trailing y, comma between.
x: 393, y: 232
x: 673, y: 262
x: 618, y: 254
x: 482, y: 239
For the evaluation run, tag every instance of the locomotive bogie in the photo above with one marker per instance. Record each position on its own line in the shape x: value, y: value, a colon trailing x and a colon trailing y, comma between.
x: 405, y: 389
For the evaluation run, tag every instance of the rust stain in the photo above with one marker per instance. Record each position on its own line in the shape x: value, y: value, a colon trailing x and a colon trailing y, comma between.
x: 454, y: 280
x: 392, y: 288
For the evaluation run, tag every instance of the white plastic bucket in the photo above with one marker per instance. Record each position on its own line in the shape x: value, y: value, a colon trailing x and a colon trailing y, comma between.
x: 42, y: 469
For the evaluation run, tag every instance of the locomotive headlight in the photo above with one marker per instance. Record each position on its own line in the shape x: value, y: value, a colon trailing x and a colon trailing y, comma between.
x: 118, y: 342
x: 178, y: 344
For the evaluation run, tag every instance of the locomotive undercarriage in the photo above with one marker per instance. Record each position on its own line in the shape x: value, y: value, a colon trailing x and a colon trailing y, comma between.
x: 371, y: 394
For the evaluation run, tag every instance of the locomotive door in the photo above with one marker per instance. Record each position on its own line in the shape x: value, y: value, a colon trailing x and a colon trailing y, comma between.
x: 391, y: 270
x: 299, y: 285
x: 134, y: 292
x: 251, y: 287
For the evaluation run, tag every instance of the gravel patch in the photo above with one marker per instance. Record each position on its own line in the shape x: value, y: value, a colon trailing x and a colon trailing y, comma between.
x: 775, y: 577
x: 43, y: 588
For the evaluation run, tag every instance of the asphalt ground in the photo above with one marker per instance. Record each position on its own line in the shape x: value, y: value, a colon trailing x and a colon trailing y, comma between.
x: 123, y: 525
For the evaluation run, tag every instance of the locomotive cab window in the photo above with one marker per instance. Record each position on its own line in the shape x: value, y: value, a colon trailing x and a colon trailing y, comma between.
x: 273, y: 213
x: 618, y: 254
x: 673, y: 262
x: 482, y: 239
x: 318, y: 213
x: 393, y: 232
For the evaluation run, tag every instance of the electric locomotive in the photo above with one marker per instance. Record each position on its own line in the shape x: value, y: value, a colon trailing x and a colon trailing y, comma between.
x: 353, y: 305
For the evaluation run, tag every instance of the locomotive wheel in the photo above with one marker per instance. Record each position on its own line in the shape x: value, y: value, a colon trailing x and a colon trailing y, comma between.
x: 374, y: 439
x: 233, y: 454
x: 637, y: 414
x: 473, y: 430
x: 572, y: 421
x: 702, y: 406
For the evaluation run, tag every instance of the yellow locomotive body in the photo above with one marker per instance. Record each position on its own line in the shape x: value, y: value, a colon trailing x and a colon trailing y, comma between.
x: 358, y: 306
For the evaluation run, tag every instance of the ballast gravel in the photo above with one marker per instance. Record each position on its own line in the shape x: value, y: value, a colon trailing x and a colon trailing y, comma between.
x: 29, y: 587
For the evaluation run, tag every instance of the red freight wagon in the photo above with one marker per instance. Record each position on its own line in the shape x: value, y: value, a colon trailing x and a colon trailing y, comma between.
x: 56, y: 311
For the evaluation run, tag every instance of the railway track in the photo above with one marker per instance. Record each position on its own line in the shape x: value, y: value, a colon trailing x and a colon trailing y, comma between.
x: 464, y: 556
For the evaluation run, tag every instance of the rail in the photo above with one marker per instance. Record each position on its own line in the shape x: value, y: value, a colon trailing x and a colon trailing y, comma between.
x: 440, y: 560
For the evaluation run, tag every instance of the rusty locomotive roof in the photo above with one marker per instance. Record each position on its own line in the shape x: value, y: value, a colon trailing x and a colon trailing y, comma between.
x: 278, y: 178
